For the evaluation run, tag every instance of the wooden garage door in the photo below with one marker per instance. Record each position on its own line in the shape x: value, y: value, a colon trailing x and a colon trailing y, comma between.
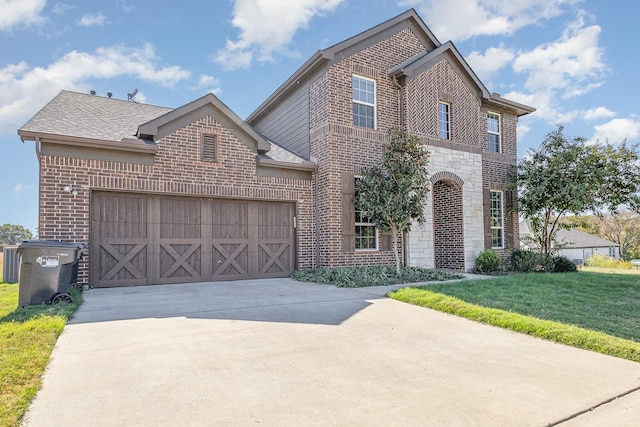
x: 142, y: 240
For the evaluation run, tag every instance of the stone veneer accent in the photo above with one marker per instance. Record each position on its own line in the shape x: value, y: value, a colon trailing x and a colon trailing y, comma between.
x: 467, y: 167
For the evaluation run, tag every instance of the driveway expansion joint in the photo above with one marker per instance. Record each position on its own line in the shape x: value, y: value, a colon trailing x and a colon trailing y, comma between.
x: 577, y: 414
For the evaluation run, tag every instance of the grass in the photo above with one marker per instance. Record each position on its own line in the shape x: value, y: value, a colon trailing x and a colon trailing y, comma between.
x: 589, y: 269
x: 358, y: 277
x: 598, y: 312
x: 27, y: 337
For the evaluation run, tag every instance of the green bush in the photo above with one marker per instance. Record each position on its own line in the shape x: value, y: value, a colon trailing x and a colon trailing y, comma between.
x: 489, y: 261
x: 562, y: 264
x: 377, y: 275
x: 523, y: 261
x: 602, y: 261
x: 632, y: 253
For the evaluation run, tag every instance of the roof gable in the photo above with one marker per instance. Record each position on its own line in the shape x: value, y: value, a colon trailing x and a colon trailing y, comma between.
x: 348, y: 47
x: 424, y: 61
x: 408, y: 19
x: 195, y: 110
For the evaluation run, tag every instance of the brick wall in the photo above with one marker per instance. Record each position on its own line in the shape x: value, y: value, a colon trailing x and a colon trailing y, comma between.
x: 178, y: 171
x: 442, y: 83
x: 497, y: 172
x: 448, y: 225
x: 342, y: 148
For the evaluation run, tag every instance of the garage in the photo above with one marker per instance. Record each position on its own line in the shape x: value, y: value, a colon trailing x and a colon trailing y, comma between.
x: 142, y: 239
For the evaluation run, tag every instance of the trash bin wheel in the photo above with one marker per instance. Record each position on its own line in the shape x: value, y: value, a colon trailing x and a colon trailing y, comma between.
x: 77, y: 286
x: 57, y: 298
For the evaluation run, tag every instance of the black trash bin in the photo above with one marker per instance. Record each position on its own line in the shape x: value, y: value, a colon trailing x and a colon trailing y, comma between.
x: 47, y: 270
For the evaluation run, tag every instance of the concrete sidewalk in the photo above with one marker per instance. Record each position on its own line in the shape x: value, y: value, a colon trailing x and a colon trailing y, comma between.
x: 279, y: 352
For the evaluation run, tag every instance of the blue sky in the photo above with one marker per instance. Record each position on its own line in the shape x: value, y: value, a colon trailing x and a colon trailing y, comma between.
x: 571, y: 59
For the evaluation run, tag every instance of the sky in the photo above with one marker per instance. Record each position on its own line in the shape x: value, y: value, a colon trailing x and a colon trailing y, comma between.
x: 571, y: 59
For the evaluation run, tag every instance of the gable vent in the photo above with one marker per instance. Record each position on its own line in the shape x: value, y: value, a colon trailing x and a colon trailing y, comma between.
x: 209, y: 147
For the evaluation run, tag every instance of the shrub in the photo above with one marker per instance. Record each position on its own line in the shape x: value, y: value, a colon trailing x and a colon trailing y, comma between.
x: 523, y: 261
x: 602, y: 261
x: 381, y: 275
x: 562, y: 264
x: 526, y: 261
x: 488, y: 261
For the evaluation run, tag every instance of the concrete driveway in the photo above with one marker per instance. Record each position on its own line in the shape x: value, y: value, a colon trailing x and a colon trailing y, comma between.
x: 279, y: 352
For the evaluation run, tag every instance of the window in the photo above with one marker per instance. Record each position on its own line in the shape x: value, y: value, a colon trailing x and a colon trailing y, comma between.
x: 497, y: 228
x: 612, y: 251
x: 493, y: 132
x: 209, y: 147
x: 366, y: 233
x: 444, y: 120
x: 364, y: 102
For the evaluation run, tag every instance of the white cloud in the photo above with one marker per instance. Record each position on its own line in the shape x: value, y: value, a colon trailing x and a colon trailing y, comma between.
x: 20, y: 13
x: 92, y: 20
x: 18, y: 189
x: 267, y: 27
x: 567, y: 63
x: 24, y: 89
x: 62, y: 8
x: 597, y: 113
x: 617, y: 130
x: 463, y: 19
x: 493, y: 59
x: 208, y: 83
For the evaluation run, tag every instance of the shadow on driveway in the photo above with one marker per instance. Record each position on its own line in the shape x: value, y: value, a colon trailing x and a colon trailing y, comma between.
x: 268, y: 300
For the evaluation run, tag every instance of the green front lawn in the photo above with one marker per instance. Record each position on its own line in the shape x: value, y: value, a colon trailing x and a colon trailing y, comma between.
x: 27, y: 337
x: 566, y: 307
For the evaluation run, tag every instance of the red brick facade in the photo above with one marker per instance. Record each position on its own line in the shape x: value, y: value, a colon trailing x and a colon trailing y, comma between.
x: 412, y: 71
x: 178, y: 171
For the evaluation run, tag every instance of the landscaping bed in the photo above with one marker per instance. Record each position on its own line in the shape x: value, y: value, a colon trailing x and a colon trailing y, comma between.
x: 358, y: 277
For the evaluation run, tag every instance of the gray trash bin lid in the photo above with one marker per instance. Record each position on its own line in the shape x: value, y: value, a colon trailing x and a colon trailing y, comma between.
x: 48, y: 244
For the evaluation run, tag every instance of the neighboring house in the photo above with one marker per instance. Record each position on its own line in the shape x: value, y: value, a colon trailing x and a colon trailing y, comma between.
x: 196, y: 194
x: 574, y: 244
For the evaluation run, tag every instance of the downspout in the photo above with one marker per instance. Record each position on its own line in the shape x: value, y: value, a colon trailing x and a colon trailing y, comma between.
x: 38, y: 147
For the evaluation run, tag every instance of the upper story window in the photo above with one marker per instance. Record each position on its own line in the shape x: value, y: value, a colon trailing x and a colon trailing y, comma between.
x: 493, y: 132
x: 497, y: 220
x: 364, y: 102
x: 444, y: 120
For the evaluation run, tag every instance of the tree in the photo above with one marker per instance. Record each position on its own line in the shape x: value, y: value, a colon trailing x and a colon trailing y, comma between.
x: 391, y: 195
x: 622, y: 228
x: 11, y: 234
x: 568, y: 176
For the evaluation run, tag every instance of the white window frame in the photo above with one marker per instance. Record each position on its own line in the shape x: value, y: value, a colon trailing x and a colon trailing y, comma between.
x: 496, y: 116
x: 365, y: 103
x: 361, y: 223
x: 496, y: 218
x: 446, y: 122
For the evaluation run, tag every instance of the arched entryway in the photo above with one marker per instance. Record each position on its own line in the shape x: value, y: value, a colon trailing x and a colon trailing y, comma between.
x: 448, y: 222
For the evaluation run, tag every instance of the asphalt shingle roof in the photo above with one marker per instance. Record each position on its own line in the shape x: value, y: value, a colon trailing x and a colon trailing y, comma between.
x: 572, y: 238
x: 90, y: 116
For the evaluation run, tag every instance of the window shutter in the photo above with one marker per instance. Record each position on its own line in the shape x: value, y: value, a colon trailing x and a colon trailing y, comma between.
x: 348, y: 213
x: 209, y: 147
x: 486, y: 197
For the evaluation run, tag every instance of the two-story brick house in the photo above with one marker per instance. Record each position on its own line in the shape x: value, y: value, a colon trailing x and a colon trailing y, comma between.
x: 336, y: 110
x: 197, y: 194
